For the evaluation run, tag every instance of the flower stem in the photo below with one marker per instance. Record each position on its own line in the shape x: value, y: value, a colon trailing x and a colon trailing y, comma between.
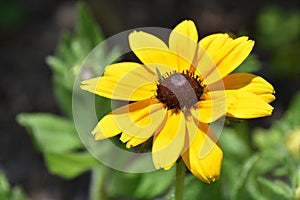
x: 97, y: 183
x: 180, y: 174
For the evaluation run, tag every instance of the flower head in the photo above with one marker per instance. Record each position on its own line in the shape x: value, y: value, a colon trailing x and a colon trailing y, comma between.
x: 176, y: 92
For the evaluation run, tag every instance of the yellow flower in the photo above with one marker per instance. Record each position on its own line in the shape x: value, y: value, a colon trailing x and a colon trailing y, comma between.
x: 177, y: 91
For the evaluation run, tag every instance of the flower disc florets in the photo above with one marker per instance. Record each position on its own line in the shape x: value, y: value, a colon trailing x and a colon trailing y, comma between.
x: 179, y: 90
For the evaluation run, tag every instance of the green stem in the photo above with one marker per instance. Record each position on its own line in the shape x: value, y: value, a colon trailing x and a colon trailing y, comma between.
x: 180, y: 174
x: 97, y: 183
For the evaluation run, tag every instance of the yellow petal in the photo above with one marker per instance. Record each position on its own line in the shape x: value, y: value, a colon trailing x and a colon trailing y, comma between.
x: 139, y: 124
x: 192, y: 124
x: 246, y: 82
x: 168, y: 144
x: 214, y: 42
x: 138, y: 121
x: 169, y: 166
x: 106, y: 128
x: 213, y: 107
x: 250, y: 83
x: 204, y: 156
x: 124, y: 81
x: 267, y: 97
x: 132, y: 141
x: 203, y: 63
x: 226, y: 53
x: 151, y: 50
x: 247, y: 105
x: 183, y: 43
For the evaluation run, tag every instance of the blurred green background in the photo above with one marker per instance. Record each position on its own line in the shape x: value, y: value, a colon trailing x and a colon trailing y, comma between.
x: 30, y: 31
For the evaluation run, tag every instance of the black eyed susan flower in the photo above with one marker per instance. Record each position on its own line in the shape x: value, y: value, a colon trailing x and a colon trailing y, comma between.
x: 176, y: 92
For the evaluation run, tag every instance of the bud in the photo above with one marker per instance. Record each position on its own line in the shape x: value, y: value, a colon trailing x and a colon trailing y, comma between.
x: 292, y: 143
x: 298, y: 193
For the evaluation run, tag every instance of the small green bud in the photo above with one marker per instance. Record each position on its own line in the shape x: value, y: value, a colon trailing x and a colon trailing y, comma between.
x: 292, y: 144
x: 297, y: 193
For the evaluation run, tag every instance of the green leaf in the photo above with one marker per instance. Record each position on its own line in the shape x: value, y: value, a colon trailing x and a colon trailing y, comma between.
x: 268, y: 25
x: 87, y: 26
x: 263, y: 139
x: 251, y: 64
x: 57, y: 65
x: 279, y: 188
x: 70, y: 165
x: 63, y: 97
x: 272, y: 138
x: 208, y: 191
x: 122, y: 184
x: 102, y: 106
x: 140, y: 186
x: 4, y: 185
x: 8, y: 193
x: 196, y: 189
x: 234, y: 143
x: 70, y: 53
x: 254, y: 191
x: 51, y: 133
x: 98, y: 182
x: 18, y: 194
x: 275, y: 160
x: 291, y: 119
x: 274, y: 21
x: 75, y: 51
x: 243, y: 176
x: 72, y: 50
x: 157, y: 182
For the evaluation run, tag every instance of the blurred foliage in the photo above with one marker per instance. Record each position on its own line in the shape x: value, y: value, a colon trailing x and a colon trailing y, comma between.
x: 11, y: 15
x: 57, y: 139
x: 8, y: 193
x: 55, y: 136
x: 70, y: 54
x: 258, y: 164
x: 145, y: 186
x: 251, y: 64
x: 278, y: 33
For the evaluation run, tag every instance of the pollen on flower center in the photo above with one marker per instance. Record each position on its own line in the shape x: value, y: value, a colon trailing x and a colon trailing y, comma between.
x: 179, y: 90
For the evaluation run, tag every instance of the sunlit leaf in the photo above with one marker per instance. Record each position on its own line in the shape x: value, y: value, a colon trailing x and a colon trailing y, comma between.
x: 9, y: 193
x: 157, y: 182
x: 280, y: 188
x: 51, y: 133
x: 122, y: 184
x: 250, y: 65
x: 70, y: 165
x: 196, y: 189
x: 243, y: 176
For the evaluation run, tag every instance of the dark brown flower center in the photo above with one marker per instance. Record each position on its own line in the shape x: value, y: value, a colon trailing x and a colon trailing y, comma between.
x: 179, y: 90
